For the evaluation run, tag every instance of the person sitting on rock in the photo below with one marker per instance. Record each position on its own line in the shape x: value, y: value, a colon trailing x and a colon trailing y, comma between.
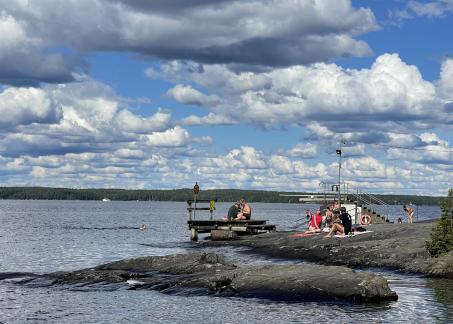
x: 315, y: 222
x: 336, y: 205
x: 343, y: 225
x: 328, y: 217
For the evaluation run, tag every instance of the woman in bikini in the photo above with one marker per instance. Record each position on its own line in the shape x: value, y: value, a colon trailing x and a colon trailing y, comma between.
x: 410, y: 213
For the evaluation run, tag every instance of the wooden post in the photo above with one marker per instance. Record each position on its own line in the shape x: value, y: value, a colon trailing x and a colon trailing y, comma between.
x: 193, y: 234
x: 196, y: 190
x: 212, y: 208
x: 189, y: 209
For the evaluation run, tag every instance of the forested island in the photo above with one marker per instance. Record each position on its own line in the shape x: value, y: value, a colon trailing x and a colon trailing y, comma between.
x: 44, y: 193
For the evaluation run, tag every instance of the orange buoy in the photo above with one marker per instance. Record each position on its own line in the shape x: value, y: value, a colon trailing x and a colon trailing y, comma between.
x: 365, y: 220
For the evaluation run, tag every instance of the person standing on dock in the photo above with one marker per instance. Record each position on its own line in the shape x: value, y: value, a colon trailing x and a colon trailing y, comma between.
x: 410, y: 214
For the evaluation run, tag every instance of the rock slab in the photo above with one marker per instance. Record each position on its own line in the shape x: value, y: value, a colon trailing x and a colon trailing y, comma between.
x: 210, y: 273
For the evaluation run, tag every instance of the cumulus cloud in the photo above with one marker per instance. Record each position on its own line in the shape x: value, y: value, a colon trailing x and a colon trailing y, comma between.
x: 187, y: 95
x: 127, y: 121
x: 23, y: 106
x: 432, y: 150
x: 431, y: 154
x: 82, y: 117
x: 446, y: 80
x: 23, y: 60
x: 210, y: 119
x: 173, y: 137
x: 390, y: 94
x: 281, y: 164
x: 239, y: 33
x: 242, y: 167
x: 303, y: 150
x: 430, y: 9
x: 353, y: 150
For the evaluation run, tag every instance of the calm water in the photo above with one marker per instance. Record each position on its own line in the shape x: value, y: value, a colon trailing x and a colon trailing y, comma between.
x: 46, y: 236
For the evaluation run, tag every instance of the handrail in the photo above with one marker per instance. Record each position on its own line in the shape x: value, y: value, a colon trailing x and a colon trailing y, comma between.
x: 385, y: 210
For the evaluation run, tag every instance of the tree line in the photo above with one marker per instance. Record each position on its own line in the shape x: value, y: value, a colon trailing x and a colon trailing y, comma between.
x: 225, y: 195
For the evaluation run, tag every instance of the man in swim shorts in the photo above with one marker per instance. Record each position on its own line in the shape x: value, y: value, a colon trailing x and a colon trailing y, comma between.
x: 246, y: 211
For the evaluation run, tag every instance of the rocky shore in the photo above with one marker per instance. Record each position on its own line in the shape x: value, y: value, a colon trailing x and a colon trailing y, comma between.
x: 209, y: 273
x: 393, y: 246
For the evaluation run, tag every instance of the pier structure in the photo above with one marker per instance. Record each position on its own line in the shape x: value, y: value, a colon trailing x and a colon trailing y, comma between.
x: 359, y: 204
x: 218, y: 228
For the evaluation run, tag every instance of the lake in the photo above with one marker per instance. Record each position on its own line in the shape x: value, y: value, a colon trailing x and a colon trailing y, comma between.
x: 47, y: 236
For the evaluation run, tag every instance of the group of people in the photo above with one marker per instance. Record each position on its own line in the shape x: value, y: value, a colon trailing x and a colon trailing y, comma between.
x: 240, y: 210
x: 338, y: 221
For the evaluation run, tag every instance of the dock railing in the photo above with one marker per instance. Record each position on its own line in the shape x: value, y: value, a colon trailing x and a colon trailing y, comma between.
x: 384, y: 209
x: 193, y: 205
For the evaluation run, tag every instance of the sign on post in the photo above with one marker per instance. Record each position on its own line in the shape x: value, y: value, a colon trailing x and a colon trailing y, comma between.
x: 196, y: 190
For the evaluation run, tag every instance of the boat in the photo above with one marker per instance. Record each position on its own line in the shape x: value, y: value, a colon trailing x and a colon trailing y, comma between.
x: 105, y: 199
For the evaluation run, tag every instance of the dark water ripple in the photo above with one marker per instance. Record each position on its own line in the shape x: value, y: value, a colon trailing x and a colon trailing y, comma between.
x: 39, y: 237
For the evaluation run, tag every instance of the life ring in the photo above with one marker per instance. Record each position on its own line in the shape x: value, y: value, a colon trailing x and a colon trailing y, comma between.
x: 365, y: 220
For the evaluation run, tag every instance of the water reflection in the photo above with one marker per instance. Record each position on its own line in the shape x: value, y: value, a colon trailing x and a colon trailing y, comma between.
x: 443, y: 292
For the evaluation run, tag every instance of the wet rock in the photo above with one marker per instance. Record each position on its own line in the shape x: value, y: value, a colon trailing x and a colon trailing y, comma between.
x: 209, y: 273
x: 311, y: 282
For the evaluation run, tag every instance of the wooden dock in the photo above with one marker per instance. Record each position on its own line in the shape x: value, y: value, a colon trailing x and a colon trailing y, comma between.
x: 231, y: 228
x: 222, y: 229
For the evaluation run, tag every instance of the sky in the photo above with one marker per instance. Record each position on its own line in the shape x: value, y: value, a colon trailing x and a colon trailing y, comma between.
x: 249, y: 94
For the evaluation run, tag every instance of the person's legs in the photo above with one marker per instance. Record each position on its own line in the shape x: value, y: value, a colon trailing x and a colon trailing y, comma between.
x: 336, y: 228
x: 332, y: 230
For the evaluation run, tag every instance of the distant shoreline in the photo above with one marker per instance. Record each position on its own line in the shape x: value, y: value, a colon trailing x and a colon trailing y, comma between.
x: 221, y: 195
